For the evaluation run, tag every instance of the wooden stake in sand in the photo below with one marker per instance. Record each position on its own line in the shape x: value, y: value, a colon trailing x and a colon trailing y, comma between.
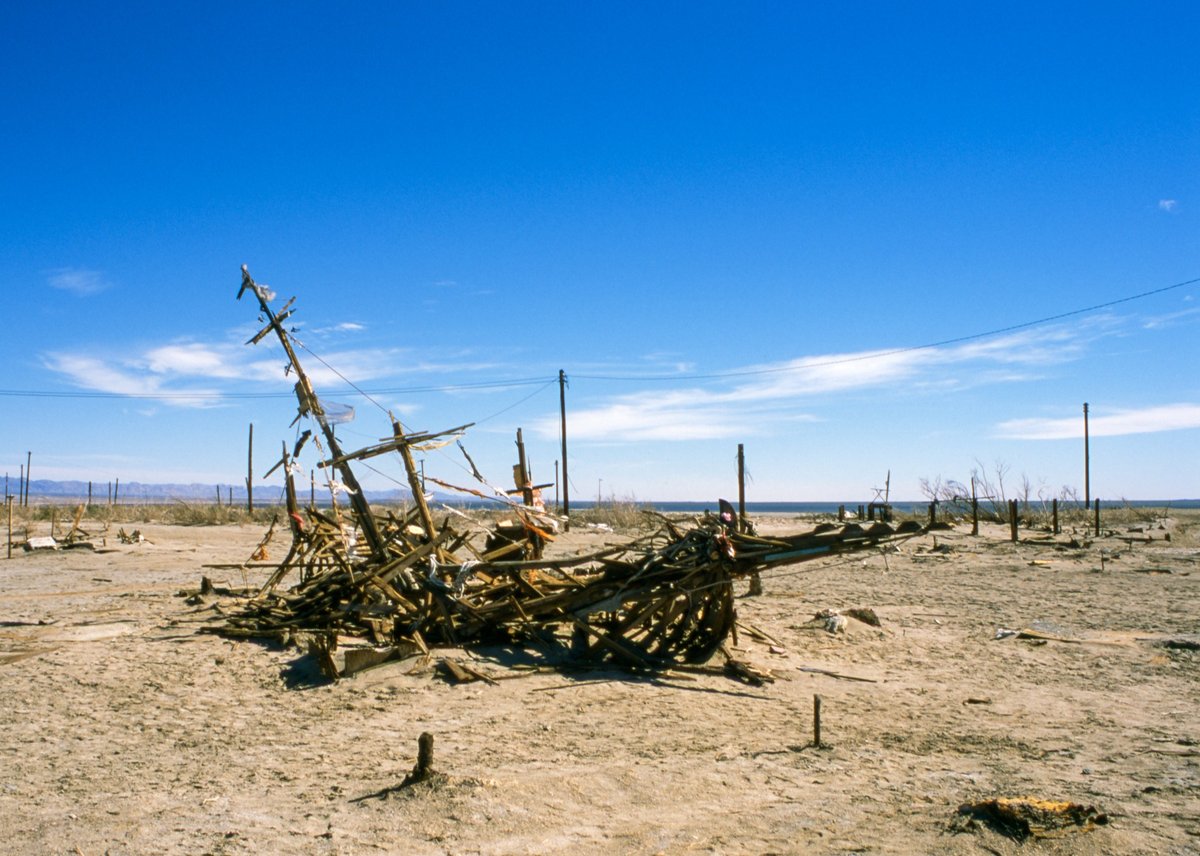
x: 424, y: 766
x: 817, y: 721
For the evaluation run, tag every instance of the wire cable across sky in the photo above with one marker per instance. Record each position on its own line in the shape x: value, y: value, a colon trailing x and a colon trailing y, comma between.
x: 214, y: 395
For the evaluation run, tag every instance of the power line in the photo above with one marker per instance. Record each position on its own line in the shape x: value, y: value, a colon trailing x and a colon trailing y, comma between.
x: 210, y: 395
x: 889, y: 353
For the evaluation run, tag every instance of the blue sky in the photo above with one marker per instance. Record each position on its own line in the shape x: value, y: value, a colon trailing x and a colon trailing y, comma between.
x: 728, y: 223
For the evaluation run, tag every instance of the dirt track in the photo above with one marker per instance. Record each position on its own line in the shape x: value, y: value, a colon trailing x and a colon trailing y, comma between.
x: 123, y: 730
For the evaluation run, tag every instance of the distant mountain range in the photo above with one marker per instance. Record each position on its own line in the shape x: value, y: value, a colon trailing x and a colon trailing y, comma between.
x: 132, y: 492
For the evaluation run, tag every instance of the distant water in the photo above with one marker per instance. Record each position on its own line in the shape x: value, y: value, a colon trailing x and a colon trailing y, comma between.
x: 793, y: 508
x: 900, y: 506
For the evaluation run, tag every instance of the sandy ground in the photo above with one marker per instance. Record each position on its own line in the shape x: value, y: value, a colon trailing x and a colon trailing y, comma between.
x: 124, y: 730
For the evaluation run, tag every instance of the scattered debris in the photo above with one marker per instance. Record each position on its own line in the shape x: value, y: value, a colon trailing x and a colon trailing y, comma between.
x: 1179, y: 643
x: 402, y: 579
x: 747, y: 673
x: 40, y: 542
x: 1022, y: 818
x: 864, y: 614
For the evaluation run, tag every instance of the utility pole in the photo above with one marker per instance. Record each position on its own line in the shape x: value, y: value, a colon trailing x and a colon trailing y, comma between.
x: 250, y: 472
x: 28, y: 470
x: 1087, y: 461
x: 562, y: 409
x: 522, y: 477
x: 741, y: 487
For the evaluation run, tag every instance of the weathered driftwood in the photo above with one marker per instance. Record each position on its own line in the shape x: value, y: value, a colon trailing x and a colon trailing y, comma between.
x: 403, y: 580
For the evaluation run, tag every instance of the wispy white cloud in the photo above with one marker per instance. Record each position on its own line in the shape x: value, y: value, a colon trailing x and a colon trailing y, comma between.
x: 78, y: 281
x: 1168, y: 205
x: 101, y: 376
x: 746, y: 402
x: 172, y: 371
x: 343, y: 327
x: 1147, y: 420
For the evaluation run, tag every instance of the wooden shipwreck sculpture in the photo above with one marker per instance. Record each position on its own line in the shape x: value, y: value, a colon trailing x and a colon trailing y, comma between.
x: 651, y: 602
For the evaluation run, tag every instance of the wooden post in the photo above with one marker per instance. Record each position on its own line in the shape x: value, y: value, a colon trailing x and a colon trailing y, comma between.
x: 312, y: 488
x: 110, y: 494
x: 414, y: 484
x: 8, y: 500
x: 89, y: 494
x: 1054, y: 514
x: 1012, y: 518
x: 250, y: 472
x: 21, y: 486
x: 1097, y: 517
x: 116, y: 492
x: 523, y: 479
x: 423, y: 769
x: 974, y: 509
x: 933, y: 512
x: 1087, y: 461
x: 28, y: 471
x: 817, y: 721
x: 741, y: 488
x: 562, y: 407
x: 841, y: 512
x: 218, y: 496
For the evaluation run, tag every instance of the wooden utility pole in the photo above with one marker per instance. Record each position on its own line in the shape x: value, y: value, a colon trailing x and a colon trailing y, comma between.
x: 414, y: 479
x: 523, y: 479
x: 117, y: 492
x: 21, y: 487
x: 562, y: 409
x: 89, y: 494
x: 974, y: 509
x: 28, y: 470
x: 250, y: 472
x: 741, y: 488
x: 1087, y: 461
x: 311, y: 405
x: 8, y: 501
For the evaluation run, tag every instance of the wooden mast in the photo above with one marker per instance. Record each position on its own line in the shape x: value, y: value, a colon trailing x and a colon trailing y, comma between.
x: 311, y: 405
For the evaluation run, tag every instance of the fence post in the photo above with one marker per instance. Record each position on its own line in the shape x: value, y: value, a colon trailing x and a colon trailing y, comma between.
x: 1012, y: 518
x: 1097, y: 517
x: 1054, y: 512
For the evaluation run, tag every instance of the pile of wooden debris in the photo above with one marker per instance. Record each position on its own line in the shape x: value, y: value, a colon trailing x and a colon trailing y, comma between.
x: 408, y: 584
